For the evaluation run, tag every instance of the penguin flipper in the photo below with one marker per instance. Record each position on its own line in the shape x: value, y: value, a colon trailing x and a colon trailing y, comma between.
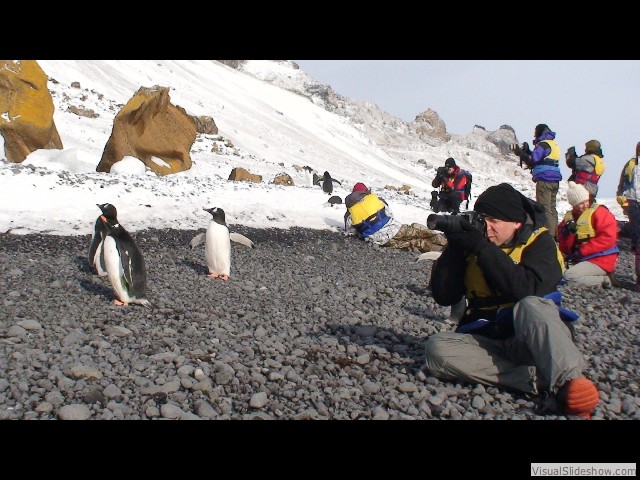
x: 238, y: 238
x: 197, y: 240
x: 127, y: 274
x: 98, y: 237
x: 337, y: 181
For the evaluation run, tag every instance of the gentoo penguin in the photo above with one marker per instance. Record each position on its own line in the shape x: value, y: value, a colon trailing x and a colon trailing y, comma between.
x: 217, y: 247
x: 310, y: 175
x: 327, y: 183
x: 123, y: 261
x: 96, y: 251
x: 234, y: 237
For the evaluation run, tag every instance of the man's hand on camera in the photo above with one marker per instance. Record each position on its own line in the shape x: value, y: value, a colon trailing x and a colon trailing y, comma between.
x: 515, y: 148
x: 471, y: 239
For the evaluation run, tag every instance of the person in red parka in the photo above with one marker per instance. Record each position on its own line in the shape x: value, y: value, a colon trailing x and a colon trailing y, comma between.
x: 588, y: 238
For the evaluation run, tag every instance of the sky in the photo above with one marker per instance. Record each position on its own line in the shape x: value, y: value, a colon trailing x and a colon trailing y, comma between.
x: 580, y: 100
x: 262, y: 127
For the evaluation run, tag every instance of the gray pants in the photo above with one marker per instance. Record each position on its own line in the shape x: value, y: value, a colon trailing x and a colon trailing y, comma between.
x: 540, y: 355
x: 546, y: 193
x: 585, y: 273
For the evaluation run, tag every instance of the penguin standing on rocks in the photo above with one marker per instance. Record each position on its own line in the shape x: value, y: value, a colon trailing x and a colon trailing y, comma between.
x: 217, y: 247
x: 123, y: 261
x: 327, y: 183
x: 96, y: 250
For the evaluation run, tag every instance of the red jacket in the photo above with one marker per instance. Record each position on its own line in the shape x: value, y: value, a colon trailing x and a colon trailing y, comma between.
x: 456, y: 181
x: 605, y: 226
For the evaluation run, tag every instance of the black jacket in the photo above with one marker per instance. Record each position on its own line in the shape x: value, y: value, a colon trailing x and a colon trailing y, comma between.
x: 537, y: 274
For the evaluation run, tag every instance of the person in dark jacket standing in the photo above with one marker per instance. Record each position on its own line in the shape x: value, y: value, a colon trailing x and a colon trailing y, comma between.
x: 544, y: 162
x: 504, y: 270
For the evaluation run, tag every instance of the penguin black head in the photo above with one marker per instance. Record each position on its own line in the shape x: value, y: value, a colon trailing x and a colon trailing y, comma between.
x: 109, y: 215
x: 108, y: 210
x: 217, y: 214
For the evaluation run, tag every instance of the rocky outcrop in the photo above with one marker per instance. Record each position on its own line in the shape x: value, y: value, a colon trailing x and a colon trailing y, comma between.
x: 26, y: 110
x: 431, y: 129
x: 503, y: 138
x: 283, y: 179
x: 243, y: 175
x: 206, y: 125
x: 152, y: 130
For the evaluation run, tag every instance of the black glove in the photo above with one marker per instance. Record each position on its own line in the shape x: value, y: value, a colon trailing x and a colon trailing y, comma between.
x: 569, y: 228
x: 470, y: 240
x: 570, y: 156
x: 515, y: 148
x: 526, y: 149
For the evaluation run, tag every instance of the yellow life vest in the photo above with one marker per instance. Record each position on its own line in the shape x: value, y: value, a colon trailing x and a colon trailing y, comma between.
x: 628, y: 171
x: 365, y: 209
x: 599, y: 167
x: 554, y: 155
x: 476, y: 284
x: 584, y: 228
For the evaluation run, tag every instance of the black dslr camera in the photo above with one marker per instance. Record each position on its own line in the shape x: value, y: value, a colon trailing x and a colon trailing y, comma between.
x: 442, y: 172
x: 456, y: 223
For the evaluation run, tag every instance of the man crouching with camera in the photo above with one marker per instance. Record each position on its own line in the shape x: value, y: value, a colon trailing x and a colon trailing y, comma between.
x: 504, y: 261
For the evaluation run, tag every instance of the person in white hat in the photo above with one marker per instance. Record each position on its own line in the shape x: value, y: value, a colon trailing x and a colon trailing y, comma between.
x: 588, y: 239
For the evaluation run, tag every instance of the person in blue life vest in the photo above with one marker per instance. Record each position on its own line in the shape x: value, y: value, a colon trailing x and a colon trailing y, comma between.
x: 370, y: 218
x: 588, y: 238
x: 454, y: 185
x: 588, y: 168
x: 544, y: 162
x: 511, y: 334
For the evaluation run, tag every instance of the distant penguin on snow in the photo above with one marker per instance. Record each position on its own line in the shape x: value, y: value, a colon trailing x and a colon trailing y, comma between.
x: 335, y: 201
x: 123, y: 261
x: 96, y: 250
x: 217, y: 247
x: 327, y: 183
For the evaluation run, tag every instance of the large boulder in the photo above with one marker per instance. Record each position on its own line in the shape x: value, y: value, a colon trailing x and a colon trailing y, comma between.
x: 240, y: 174
x: 152, y: 130
x: 431, y: 129
x: 26, y: 110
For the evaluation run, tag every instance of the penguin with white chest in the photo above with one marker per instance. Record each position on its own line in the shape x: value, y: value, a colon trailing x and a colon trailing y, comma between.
x: 217, y: 248
x: 123, y: 261
x: 96, y: 250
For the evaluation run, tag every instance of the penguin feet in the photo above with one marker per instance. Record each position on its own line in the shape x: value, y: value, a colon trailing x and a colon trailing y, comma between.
x: 221, y: 277
x: 119, y: 303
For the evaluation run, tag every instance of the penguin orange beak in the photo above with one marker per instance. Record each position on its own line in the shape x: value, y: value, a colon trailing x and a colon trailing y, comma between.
x: 103, y: 218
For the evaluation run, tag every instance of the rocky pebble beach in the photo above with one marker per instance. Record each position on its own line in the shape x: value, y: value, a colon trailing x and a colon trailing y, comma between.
x: 310, y: 325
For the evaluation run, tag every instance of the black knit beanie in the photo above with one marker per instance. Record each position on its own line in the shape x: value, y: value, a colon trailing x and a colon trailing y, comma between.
x: 450, y: 162
x: 502, y: 202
